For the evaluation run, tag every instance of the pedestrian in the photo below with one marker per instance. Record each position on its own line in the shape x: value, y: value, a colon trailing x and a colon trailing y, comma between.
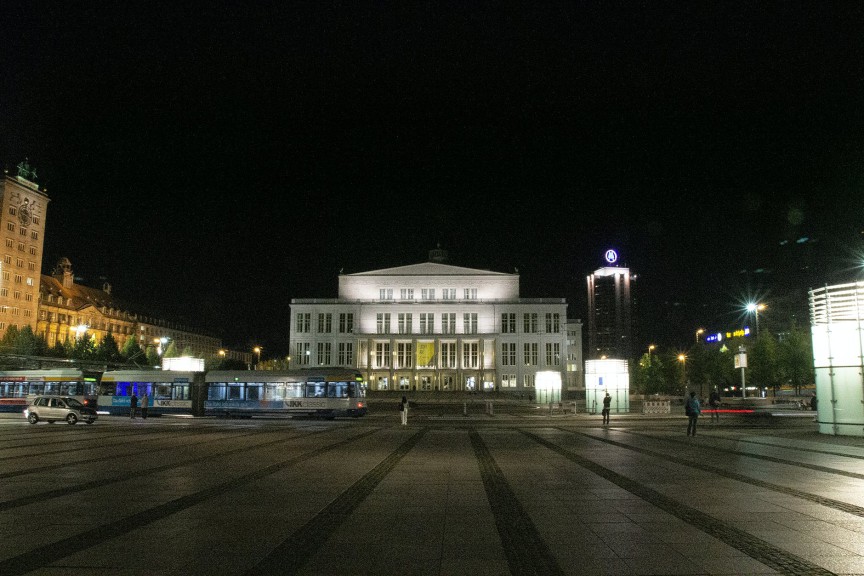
x: 607, y: 404
x: 133, y: 405
x: 813, y: 402
x: 403, y: 408
x: 692, y: 409
x: 145, y: 403
x: 714, y: 402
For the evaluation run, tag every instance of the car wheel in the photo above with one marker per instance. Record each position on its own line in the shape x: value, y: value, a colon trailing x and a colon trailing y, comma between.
x: 72, y: 419
x: 32, y: 418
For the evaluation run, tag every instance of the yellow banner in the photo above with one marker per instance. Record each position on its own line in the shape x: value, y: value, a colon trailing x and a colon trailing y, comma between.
x: 425, y: 353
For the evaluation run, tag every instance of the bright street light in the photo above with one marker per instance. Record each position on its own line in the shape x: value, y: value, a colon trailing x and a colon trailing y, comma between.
x: 650, y: 349
x: 698, y: 332
x: 754, y: 308
x: 257, y: 351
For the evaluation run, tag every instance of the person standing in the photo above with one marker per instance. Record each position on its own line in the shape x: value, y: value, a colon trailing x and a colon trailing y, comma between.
x: 692, y: 409
x: 714, y: 402
x: 403, y: 408
x: 145, y: 403
x: 607, y: 405
x: 133, y: 405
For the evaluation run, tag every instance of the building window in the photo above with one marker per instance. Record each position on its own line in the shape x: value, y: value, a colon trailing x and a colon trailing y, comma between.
x: 10, y: 226
x: 31, y: 266
x: 405, y: 322
x: 427, y: 323
x: 304, y: 322
x: 553, y: 323
x: 470, y: 355
x: 4, y: 292
x: 10, y: 243
x: 32, y: 249
x: 382, y: 355
x: 448, y: 323
x: 469, y: 322
x: 346, y: 323
x: 385, y: 294
x: 325, y: 323
x: 529, y: 323
x: 406, y: 294
x: 528, y: 380
x: 404, y: 355
x: 346, y: 353
x: 7, y: 259
x: 17, y: 294
x: 18, y: 278
x: 508, y: 354
x: 19, y: 262
x: 553, y: 354
x: 448, y: 354
x: 383, y: 323
x: 448, y: 293
x: 508, y: 380
x: 324, y: 354
x: 20, y: 246
x: 470, y: 293
x: 508, y: 323
x: 34, y: 235
x: 301, y: 353
x: 28, y: 297
x: 427, y: 294
x: 529, y: 353
x: 29, y: 281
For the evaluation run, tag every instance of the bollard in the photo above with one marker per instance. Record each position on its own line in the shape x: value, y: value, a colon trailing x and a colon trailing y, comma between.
x: 465, y: 408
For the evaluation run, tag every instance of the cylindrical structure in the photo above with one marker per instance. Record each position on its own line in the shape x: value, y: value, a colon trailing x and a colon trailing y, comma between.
x: 836, y: 314
x: 609, y: 375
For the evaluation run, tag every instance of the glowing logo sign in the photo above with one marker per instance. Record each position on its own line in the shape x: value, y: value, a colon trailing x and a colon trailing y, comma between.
x: 611, y: 256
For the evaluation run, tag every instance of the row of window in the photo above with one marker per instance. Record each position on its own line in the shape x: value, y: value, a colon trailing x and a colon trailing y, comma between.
x: 11, y: 243
x: 4, y: 292
x: 427, y: 293
x: 13, y: 211
x: 14, y: 311
x: 404, y: 355
x: 19, y: 262
x: 34, y: 235
x: 427, y: 323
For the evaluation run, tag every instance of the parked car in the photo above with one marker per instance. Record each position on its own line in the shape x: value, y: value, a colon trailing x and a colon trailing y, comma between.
x: 53, y: 408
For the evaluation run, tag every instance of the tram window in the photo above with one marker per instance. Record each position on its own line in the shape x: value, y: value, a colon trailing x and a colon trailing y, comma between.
x: 36, y: 388
x: 293, y: 390
x: 163, y: 391
x: 51, y: 388
x: 315, y: 389
x: 70, y: 389
x: 337, y: 389
x: 180, y: 392
x: 274, y: 391
x: 235, y: 391
x: 254, y: 391
x: 20, y: 390
x: 216, y: 391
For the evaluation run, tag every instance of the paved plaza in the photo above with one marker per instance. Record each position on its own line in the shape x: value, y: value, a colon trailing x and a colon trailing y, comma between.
x: 449, y: 494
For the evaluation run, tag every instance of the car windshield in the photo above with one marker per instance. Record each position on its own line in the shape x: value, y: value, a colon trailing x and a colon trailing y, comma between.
x: 73, y: 403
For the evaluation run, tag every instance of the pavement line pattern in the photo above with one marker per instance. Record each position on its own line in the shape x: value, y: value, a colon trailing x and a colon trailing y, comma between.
x: 786, y: 461
x: 524, y: 546
x: 71, y: 438
x: 52, y: 552
x: 758, y: 549
x: 66, y: 490
x: 294, y: 552
x: 822, y: 500
x: 784, y: 446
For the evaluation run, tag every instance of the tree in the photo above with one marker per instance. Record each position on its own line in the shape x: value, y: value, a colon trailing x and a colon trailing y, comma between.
x: 762, y: 362
x: 84, y: 348
x: 108, y: 350
x: 25, y: 342
x: 171, y: 350
x: 132, y: 352
x: 152, y: 356
x: 795, y: 359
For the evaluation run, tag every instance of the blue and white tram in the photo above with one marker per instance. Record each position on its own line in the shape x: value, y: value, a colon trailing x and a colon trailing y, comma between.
x: 18, y: 387
x: 168, y: 391
x: 325, y: 392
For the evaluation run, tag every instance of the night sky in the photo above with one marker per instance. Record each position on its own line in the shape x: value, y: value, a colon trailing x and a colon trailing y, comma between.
x: 213, y: 160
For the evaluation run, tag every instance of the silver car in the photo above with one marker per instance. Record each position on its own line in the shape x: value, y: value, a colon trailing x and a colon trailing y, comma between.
x: 53, y: 408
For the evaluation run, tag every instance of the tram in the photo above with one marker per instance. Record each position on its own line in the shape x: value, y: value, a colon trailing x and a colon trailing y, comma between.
x: 19, y: 387
x: 325, y: 393
x: 169, y: 391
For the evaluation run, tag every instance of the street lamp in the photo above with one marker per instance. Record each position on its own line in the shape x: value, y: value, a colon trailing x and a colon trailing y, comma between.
x: 698, y: 332
x: 683, y: 359
x: 257, y: 351
x: 650, y: 349
x: 755, y: 308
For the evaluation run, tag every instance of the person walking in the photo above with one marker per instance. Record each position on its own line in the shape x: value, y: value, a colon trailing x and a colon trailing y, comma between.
x: 403, y: 408
x: 607, y: 404
x: 714, y: 402
x: 133, y: 405
x: 145, y: 403
x: 692, y: 408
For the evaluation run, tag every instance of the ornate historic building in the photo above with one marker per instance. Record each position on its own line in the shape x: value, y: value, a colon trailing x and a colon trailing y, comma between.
x: 433, y: 326
x: 68, y: 310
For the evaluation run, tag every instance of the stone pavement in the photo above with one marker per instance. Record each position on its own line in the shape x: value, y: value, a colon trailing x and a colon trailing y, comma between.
x: 448, y: 494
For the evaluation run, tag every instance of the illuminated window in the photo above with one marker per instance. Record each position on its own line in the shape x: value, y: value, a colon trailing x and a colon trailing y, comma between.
x: 427, y: 294
x: 470, y: 355
x: 448, y: 294
x: 385, y: 294
x: 406, y: 293
x: 448, y: 354
x: 508, y: 380
x: 404, y: 355
x: 382, y: 355
x: 470, y: 293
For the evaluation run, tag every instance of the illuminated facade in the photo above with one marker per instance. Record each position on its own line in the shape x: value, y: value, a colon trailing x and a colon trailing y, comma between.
x: 68, y: 311
x: 24, y: 209
x: 610, y: 319
x: 433, y: 326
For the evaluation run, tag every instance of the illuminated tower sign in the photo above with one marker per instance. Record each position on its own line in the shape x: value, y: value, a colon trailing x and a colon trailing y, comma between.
x: 609, y: 311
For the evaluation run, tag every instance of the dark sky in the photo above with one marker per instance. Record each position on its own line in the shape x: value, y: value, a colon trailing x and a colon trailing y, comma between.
x: 213, y: 160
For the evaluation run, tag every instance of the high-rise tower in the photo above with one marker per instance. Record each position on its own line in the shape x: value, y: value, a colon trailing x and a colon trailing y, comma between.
x: 610, y: 320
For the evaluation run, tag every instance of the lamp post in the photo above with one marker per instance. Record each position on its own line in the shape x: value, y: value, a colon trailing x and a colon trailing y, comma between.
x: 257, y: 351
x: 650, y: 349
x: 698, y: 332
x: 683, y: 359
x: 755, y: 308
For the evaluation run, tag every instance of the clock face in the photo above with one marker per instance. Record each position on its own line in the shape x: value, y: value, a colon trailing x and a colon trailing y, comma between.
x: 24, y: 215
